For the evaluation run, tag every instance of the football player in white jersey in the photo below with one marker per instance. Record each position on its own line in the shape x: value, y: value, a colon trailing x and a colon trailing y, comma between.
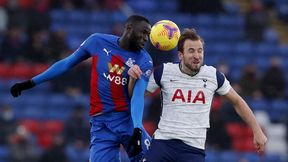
x: 187, y: 90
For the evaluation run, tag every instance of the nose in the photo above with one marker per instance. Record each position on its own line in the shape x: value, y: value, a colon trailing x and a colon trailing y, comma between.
x: 196, y: 55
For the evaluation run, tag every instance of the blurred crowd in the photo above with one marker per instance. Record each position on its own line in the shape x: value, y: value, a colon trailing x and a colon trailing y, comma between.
x: 25, y: 28
x: 25, y: 37
x: 49, y: 141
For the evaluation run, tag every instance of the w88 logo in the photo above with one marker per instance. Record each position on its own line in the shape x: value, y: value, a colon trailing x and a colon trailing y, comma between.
x: 117, y: 79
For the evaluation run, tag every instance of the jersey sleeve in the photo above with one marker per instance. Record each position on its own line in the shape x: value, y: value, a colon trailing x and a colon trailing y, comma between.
x: 62, y: 66
x: 137, y: 102
x: 146, y: 68
x: 223, y: 84
x: 137, y: 99
x: 155, y: 79
x: 90, y: 43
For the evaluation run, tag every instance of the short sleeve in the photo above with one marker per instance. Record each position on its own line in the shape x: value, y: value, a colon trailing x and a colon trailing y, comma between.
x: 223, y: 84
x: 155, y: 79
x: 146, y: 69
x: 152, y: 85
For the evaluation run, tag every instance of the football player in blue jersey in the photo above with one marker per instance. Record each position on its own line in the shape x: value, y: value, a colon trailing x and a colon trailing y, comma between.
x: 115, y: 118
x: 187, y: 90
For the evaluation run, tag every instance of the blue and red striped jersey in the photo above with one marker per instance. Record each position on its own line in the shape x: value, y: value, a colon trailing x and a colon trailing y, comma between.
x: 109, y: 77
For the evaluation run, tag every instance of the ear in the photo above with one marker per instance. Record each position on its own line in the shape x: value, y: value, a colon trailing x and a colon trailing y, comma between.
x: 128, y: 27
x: 180, y: 55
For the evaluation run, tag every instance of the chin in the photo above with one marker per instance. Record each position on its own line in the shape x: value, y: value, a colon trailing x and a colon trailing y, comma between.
x: 196, y: 68
x: 140, y: 48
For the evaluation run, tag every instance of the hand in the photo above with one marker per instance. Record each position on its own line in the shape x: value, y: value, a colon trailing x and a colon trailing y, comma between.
x: 135, y: 72
x: 18, y: 87
x: 259, y: 142
x: 134, y: 146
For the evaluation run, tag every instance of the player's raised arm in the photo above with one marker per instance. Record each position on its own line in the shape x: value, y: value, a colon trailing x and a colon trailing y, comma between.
x: 247, y: 115
x: 53, y: 71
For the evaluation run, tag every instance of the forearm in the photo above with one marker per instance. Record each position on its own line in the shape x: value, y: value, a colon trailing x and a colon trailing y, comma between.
x: 247, y: 115
x: 61, y: 66
x: 55, y: 70
x: 137, y: 111
x: 131, y: 86
x: 137, y: 103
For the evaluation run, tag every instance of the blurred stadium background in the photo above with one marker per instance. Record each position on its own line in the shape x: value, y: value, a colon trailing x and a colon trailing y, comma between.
x: 245, y: 39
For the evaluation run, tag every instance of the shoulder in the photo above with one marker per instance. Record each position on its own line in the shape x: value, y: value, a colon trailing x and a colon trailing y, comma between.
x: 101, y: 36
x: 167, y: 69
x: 219, y: 78
x: 97, y: 40
x: 209, y: 69
x: 145, y: 54
x: 170, y: 66
x: 208, y: 72
x: 145, y: 57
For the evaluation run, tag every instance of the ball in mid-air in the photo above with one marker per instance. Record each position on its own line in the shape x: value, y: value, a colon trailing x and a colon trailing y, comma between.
x: 164, y: 35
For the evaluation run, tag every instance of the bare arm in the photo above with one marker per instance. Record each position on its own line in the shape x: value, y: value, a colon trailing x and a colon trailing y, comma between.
x: 247, y: 115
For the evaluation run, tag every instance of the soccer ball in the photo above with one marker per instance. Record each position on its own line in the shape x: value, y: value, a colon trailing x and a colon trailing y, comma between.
x: 164, y: 35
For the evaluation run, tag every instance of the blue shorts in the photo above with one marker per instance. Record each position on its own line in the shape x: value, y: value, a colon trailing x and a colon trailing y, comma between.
x: 173, y: 150
x: 108, y: 132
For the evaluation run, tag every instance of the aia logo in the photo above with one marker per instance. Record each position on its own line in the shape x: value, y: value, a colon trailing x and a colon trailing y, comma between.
x: 188, y: 97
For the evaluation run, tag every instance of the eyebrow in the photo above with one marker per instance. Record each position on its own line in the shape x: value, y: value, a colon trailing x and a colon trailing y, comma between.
x: 195, y: 48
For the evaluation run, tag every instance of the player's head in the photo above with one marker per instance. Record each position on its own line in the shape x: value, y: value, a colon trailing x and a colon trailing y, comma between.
x: 190, y: 51
x: 136, y: 33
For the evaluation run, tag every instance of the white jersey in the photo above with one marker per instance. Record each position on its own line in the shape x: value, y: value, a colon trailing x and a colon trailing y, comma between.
x: 186, y: 102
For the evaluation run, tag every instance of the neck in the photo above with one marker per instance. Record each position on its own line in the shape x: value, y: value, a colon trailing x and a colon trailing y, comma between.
x: 190, y: 72
x: 123, y: 43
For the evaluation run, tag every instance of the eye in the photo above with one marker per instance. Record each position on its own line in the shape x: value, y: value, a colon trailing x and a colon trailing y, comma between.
x: 145, y: 32
x: 191, y: 50
x: 200, y: 50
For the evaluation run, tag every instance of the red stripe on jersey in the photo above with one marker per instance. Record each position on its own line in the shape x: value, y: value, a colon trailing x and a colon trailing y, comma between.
x: 117, y: 88
x: 95, y: 101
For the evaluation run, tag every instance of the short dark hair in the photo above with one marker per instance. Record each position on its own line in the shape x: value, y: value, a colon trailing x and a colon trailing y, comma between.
x: 136, y: 18
x: 188, y: 34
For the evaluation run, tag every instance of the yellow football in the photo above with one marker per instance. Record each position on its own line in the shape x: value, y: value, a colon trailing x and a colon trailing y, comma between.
x: 164, y: 35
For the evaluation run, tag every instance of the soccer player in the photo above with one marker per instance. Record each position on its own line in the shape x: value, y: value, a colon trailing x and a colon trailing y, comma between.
x: 115, y: 120
x: 187, y: 90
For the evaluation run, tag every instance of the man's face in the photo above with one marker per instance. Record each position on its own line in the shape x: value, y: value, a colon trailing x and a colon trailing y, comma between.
x: 139, y: 35
x: 192, y: 56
